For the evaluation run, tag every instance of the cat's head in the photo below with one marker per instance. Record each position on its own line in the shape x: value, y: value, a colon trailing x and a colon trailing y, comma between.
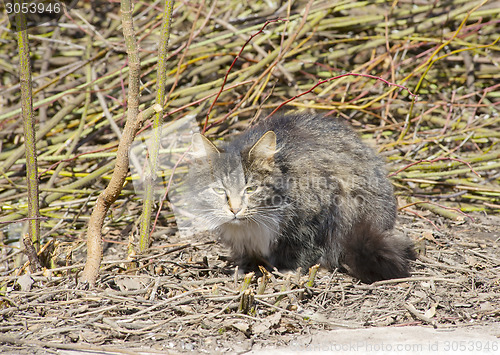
x: 235, y: 185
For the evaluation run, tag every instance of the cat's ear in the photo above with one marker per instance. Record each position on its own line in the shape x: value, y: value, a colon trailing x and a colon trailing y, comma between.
x: 202, y: 147
x: 265, y: 148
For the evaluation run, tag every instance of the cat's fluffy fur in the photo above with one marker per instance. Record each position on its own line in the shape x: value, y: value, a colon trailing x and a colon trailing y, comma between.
x: 296, y: 190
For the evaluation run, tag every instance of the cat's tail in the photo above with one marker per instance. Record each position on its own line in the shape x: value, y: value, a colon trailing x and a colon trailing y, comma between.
x: 373, y: 255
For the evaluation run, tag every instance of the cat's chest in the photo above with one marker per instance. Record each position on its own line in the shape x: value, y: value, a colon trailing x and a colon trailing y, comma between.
x: 248, y: 238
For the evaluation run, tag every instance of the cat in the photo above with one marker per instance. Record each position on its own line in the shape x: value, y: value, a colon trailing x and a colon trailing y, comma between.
x: 299, y: 189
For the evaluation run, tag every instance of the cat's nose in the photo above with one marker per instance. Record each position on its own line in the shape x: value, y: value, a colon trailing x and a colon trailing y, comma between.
x: 234, y: 205
x: 235, y: 210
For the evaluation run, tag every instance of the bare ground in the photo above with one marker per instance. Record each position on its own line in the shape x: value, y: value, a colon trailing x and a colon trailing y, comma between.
x: 184, y: 297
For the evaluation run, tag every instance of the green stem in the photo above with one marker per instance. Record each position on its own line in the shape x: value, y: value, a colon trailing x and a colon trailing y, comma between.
x: 152, y: 166
x: 29, y: 131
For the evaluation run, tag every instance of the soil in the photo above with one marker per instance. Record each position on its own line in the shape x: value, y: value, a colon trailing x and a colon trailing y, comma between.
x: 184, y: 297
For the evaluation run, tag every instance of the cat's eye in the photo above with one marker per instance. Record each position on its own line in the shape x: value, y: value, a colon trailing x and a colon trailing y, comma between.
x: 219, y: 191
x: 250, y: 189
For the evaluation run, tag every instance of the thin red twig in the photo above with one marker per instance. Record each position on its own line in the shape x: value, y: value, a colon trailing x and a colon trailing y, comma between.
x: 164, y: 197
x: 451, y: 209
x: 433, y: 161
x: 231, y: 67
x: 420, y: 216
x: 23, y: 220
x: 442, y: 206
x: 75, y: 157
x: 338, y: 77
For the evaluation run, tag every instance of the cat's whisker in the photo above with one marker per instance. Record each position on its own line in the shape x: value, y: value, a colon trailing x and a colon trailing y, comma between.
x: 262, y: 219
x: 266, y: 221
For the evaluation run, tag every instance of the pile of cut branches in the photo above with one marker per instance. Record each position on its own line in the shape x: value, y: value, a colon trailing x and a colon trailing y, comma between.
x: 418, y: 79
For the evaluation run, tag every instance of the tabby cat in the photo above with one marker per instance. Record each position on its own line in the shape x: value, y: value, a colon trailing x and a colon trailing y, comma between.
x: 296, y: 190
